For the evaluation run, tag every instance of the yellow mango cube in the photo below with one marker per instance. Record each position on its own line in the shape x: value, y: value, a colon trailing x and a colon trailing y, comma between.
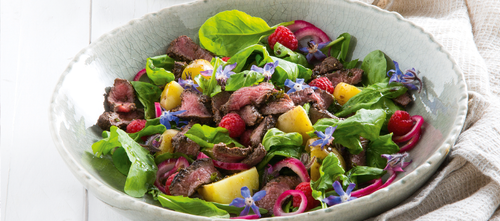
x: 343, y: 92
x: 166, y: 141
x: 171, y: 95
x: 295, y: 120
x: 225, y: 190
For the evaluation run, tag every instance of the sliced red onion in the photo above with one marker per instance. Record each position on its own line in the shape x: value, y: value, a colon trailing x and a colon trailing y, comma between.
x: 278, y: 211
x: 179, y: 164
x: 139, y: 74
x: 224, y: 165
x: 296, y: 165
x: 389, y: 181
x: 298, y: 25
x: 253, y: 216
x: 163, y: 167
x: 157, y: 109
x: 368, y: 190
x: 201, y: 155
x: 419, y: 120
x: 318, y: 35
x: 411, y: 143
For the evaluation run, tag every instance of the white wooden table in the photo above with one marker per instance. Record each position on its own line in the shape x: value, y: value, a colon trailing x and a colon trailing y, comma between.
x: 37, y: 40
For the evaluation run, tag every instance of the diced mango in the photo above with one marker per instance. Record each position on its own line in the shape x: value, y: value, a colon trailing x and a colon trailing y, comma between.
x: 171, y: 95
x: 295, y: 120
x: 195, y: 67
x: 343, y: 92
x: 166, y: 141
x: 319, y: 153
x: 225, y: 190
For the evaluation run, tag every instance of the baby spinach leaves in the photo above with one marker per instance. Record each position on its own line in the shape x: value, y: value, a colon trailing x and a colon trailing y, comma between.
x: 147, y: 94
x: 382, y: 145
x: 276, y: 137
x: 156, y: 69
x: 192, y: 206
x: 329, y: 170
x: 375, y: 67
x: 243, y: 79
x: 207, y: 136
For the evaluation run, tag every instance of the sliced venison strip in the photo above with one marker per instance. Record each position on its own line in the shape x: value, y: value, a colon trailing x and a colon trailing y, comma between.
x: 118, y: 119
x: 250, y: 115
x: 185, y: 49
x: 179, y: 67
x: 278, y: 106
x: 254, y: 95
x: 196, y: 106
x: 256, y: 156
x: 308, y: 95
x: 359, y: 159
x: 217, y: 101
x: 403, y: 99
x: 316, y: 113
x: 259, y: 132
x: 230, y: 154
x: 349, y: 76
x: 189, y: 179
x: 329, y: 65
x: 184, y: 145
x: 326, y: 98
x: 274, y: 188
x: 121, y: 96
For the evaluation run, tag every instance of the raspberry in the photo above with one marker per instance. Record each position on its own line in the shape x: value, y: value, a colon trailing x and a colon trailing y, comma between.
x: 136, y: 125
x: 225, y: 58
x: 234, y: 124
x: 323, y: 83
x: 245, y: 137
x: 169, y: 181
x: 284, y: 36
x: 400, y: 123
x: 305, y: 187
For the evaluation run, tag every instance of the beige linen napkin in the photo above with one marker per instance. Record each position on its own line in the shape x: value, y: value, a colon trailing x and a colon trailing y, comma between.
x: 467, y: 186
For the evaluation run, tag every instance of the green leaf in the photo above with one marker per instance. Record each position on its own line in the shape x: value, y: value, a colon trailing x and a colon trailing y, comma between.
x: 243, y: 79
x: 365, y: 123
x: 147, y: 94
x: 375, y: 67
x: 210, y: 86
x: 153, y: 126
x: 285, y: 53
x: 382, y: 145
x: 362, y: 174
x: 165, y: 156
x: 234, y: 209
x: 340, y: 51
x: 207, y: 136
x: 157, y: 69
x: 329, y: 170
x: 228, y: 32
x: 283, y: 151
x: 121, y: 161
x: 192, y: 206
x: 276, y: 137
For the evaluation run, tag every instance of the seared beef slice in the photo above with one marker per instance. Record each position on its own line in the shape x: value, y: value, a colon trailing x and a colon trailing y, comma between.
x: 259, y: 132
x: 195, y: 105
x: 250, y: 115
x: 191, y: 178
x: 217, y: 101
x: 309, y: 95
x: 184, y: 49
x: 254, y: 95
x: 275, y: 188
x: 119, y: 119
x: 349, y: 76
x: 329, y: 65
x: 278, y: 106
x: 183, y: 144
x: 256, y: 156
x: 121, y: 96
x: 230, y: 154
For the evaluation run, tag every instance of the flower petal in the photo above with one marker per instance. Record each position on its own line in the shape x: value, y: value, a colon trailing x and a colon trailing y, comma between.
x: 338, y: 188
x: 255, y: 209
x: 245, y: 211
x: 289, y: 83
x: 329, y: 130
x: 320, y: 134
x: 245, y: 192
x: 332, y: 200
x: 207, y: 73
x: 322, y: 45
x: 259, y: 195
x: 316, y: 142
x: 299, y: 81
x: 257, y: 69
x: 350, y: 188
x: 238, y: 202
x: 319, y: 55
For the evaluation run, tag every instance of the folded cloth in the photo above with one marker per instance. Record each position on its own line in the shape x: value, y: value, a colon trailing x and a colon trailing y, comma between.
x: 467, y: 185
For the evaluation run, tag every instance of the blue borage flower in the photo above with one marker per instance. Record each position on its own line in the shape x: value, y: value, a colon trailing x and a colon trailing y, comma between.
x: 221, y: 75
x: 342, y: 196
x: 248, y: 201
x: 313, y: 50
x: 188, y: 83
x: 168, y: 116
x: 268, y: 69
x: 325, y: 138
x: 396, y: 162
x: 408, y: 79
x: 297, y: 86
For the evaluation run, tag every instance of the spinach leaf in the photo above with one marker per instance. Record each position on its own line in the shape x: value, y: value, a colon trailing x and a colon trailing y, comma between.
x: 121, y: 161
x: 340, y: 51
x: 207, y: 136
x: 382, y: 145
x: 243, y: 79
x: 372, y: 97
x: 375, y: 67
x: 157, y: 69
x: 234, y: 209
x: 363, y: 174
x: 142, y: 172
x: 329, y: 170
x: 283, y: 151
x: 285, y: 53
x: 192, y: 206
x: 147, y: 94
x: 228, y: 32
x: 351, y: 64
x: 276, y: 137
x: 365, y: 123
x: 153, y: 126
x: 210, y: 86
x: 165, y: 156
x: 289, y: 70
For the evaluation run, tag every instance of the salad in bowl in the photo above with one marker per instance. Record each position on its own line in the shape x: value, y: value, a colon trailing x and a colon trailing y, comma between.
x: 257, y: 121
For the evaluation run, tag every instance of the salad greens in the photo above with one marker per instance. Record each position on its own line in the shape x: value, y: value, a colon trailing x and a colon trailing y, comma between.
x: 147, y: 94
x: 207, y: 136
x: 276, y: 137
x: 156, y: 69
x: 329, y: 171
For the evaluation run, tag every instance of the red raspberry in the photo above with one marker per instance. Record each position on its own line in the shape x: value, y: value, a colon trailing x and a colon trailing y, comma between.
x: 284, y: 36
x: 245, y: 137
x: 136, y: 125
x: 225, y: 58
x: 323, y: 83
x: 305, y: 187
x: 169, y: 181
x: 400, y: 123
x: 234, y: 124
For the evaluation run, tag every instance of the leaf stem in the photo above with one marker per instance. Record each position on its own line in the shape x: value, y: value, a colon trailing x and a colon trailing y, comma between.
x: 327, y: 47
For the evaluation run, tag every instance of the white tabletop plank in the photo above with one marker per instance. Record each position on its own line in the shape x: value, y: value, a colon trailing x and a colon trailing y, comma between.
x: 38, y: 39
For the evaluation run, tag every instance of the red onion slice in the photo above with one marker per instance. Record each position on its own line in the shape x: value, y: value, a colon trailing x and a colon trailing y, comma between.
x: 163, y: 167
x: 413, y: 141
x: 278, y: 211
x: 201, y: 155
x: 318, y: 35
x: 419, y: 120
x: 157, y: 109
x: 368, y: 190
x: 298, y: 24
x: 253, y: 216
x: 296, y: 165
x: 139, y: 74
x: 389, y: 181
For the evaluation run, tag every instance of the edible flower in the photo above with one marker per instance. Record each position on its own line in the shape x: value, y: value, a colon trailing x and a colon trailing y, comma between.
x: 325, y: 138
x: 248, y: 201
x: 221, y: 75
x: 267, y: 71
x: 313, y: 50
x: 168, y: 116
x: 188, y: 83
x: 408, y: 79
x: 296, y: 86
x: 396, y: 162
x: 342, y: 196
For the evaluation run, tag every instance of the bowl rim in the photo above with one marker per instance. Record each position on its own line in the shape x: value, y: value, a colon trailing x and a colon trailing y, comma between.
x: 114, y: 197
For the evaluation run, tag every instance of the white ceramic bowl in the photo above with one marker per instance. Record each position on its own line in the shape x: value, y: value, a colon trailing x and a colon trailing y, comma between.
x: 78, y: 98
